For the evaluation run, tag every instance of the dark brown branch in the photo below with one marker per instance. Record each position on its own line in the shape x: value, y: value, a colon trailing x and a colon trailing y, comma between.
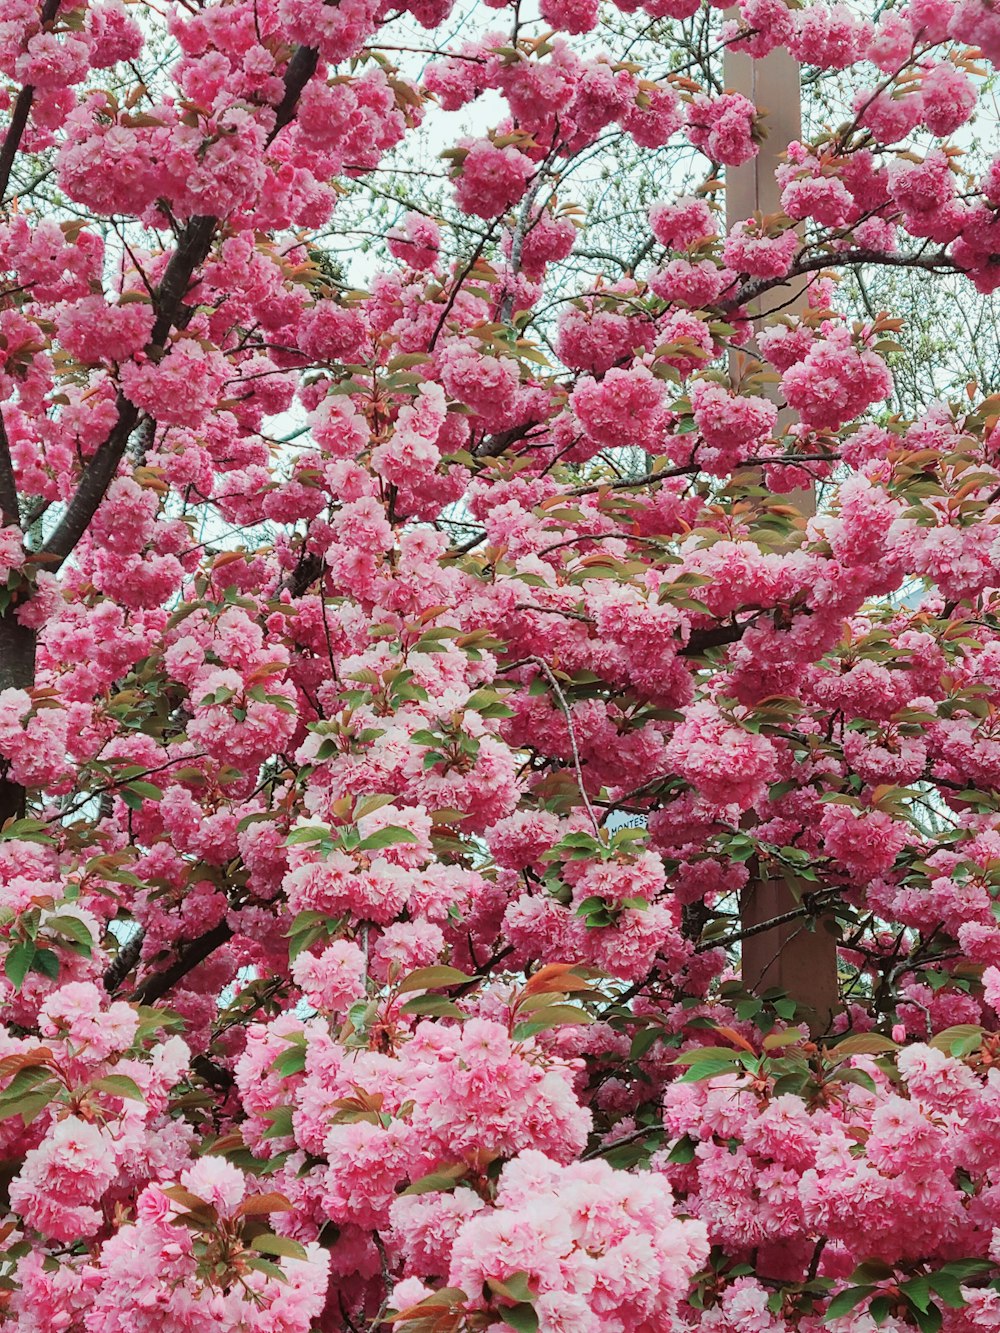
x: 19, y: 115
x: 457, y: 284
x: 18, y: 644
x: 125, y: 960
x: 96, y: 479
x: 215, y: 1075
x: 192, y: 250
x: 691, y: 469
x: 492, y: 446
x: 8, y: 486
x: 555, y: 611
x: 521, y: 229
x: 304, y: 575
x: 190, y: 955
x: 717, y: 637
x: 856, y: 258
x: 298, y: 72
x: 810, y: 907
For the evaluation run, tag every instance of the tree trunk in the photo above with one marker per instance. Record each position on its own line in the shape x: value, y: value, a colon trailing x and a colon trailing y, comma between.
x: 17, y: 672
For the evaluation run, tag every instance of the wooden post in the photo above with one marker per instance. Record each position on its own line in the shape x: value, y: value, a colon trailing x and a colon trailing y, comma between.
x: 789, y: 957
x: 774, y: 86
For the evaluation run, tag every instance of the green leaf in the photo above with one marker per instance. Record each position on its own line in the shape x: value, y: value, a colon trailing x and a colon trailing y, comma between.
x: 966, y: 1268
x: 432, y: 978
x: 880, y: 1309
x: 438, y: 1182
x: 845, y: 1301
x: 367, y: 805
x: 488, y: 703
x: 707, y: 1062
x: 268, y: 1243
x: 522, y: 1317
x: 873, y: 1270
x: 71, y: 926
x: 281, y: 1122
x: 313, y: 833
x: 644, y: 1041
x: 18, y: 963
x: 917, y: 1291
x: 857, y: 1076
x: 289, y: 1062
x: 29, y: 1106
x: 306, y: 920
x: 929, y: 1320
x: 514, y: 1287
x: 683, y: 1151
x: 121, y: 1086
x: 551, y: 1016
x: 961, y: 1039
x: 433, y: 1004
x: 146, y: 790
x: 305, y: 939
x: 864, y: 1043
x: 24, y: 1080
x: 623, y: 1156
x: 793, y: 1083
x: 46, y: 962
x: 266, y: 1266
x: 949, y: 1289
x: 34, y: 830
x: 386, y: 837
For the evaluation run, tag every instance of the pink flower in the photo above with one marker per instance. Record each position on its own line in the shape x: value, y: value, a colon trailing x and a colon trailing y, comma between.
x: 723, y: 127
x: 332, y: 980
x: 417, y: 242
x: 63, y: 1178
x: 491, y: 179
x: 865, y: 841
x: 835, y: 382
x: 94, y: 331
x: 682, y: 224
x: 727, y: 764
x: 623, y: 408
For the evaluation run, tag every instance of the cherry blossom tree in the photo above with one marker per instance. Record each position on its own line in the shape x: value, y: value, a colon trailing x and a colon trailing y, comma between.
x: 390, y: 762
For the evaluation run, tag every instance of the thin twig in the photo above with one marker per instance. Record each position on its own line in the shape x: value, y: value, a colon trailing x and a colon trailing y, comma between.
x: 815, y: 901
x: 544, y: 667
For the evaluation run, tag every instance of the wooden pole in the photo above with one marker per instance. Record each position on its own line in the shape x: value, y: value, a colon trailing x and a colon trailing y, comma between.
x: 789, y: 957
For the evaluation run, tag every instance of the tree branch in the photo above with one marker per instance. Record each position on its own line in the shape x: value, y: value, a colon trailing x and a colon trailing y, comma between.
x: 125, y: 960
x: 298, y: 72
x: 717, y: 637
x: 190, y: 955
x: 19, y: 114
x: 192, y: 250
x: 856, y: 258
x: 8, y: 486
x: 97, y: 477
x: 546, y: 670
x: 811, y: 906
x: 306, y: 572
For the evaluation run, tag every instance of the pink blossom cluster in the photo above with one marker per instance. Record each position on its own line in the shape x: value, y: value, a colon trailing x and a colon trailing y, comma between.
x: 405, y: 692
